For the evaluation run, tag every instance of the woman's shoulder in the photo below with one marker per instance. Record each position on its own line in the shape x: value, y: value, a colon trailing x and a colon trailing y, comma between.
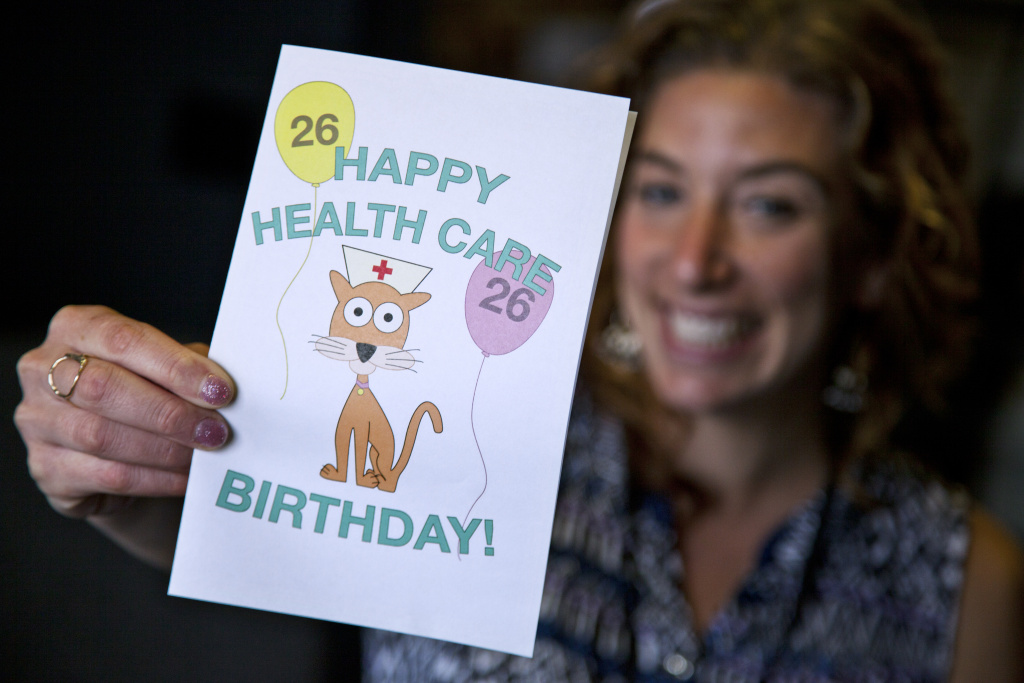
x: 903, y: 499
x: 990, y: 635
x: 889, y: 574
x: 945, y: 576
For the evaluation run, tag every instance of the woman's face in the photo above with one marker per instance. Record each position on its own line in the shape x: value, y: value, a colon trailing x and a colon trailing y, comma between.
x: 723, y: 243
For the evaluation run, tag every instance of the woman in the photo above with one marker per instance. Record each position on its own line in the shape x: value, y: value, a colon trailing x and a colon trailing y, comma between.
x: 792, y: 234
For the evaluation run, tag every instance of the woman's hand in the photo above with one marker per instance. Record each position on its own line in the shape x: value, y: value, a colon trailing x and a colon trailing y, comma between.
x: 117, y: 449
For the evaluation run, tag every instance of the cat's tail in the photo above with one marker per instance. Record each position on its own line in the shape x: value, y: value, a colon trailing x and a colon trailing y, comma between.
x: 425, y: 408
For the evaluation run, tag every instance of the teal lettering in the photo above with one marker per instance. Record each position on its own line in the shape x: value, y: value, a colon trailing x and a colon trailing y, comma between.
x: 273, y: 224
x: 486, y: 186
x: 383, y: 537
x: 291, y: 220
x: 236, y: 495
x: 328, y: 219
x: 414, y: 169
x: 447, y: 177
x: 324, y: 504
x: 536, y: 272
x: 340, y: 162
x: 294, y: 507
x: 381, y: 209
x: 350, y: 219
x: 387, y: 164
x: 401, y: 223
x: 442, y: 235
x: 228, y: 488
x: 507, y: 257
x: 432, y: 532
x: 483, y: 247
x: 261, y: 502
x: 464, y: 534
x: 348, y: 519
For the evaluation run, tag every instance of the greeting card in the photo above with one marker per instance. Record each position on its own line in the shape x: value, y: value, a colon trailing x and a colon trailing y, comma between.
x: 403, y: 317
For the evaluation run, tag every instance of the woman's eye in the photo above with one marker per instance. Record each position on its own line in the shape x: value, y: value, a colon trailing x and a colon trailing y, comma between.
x: 776, y: 209
x: 358, y: 312
x: 658, y: 193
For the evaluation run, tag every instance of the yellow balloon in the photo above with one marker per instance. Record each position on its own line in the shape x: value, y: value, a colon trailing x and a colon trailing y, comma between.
x: 311, y: 121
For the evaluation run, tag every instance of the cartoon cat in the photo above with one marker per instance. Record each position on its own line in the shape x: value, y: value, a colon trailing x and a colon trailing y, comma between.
x: 368, y: 330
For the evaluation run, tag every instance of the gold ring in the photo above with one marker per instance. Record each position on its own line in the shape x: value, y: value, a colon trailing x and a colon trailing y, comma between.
x: 82, y: 360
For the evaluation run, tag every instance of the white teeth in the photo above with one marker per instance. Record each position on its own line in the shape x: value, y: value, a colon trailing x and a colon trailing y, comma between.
x: 714, y: 332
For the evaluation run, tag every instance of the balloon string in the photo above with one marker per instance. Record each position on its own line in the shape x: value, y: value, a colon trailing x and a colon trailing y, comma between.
x: 472, y: 425
x: 277, y: 314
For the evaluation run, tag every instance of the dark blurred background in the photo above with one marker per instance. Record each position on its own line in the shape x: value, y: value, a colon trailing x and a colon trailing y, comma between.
x: 132, y: 130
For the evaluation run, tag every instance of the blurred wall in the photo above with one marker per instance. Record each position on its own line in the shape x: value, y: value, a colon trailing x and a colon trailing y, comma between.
x: 134, y: 126
x: 133, y: 130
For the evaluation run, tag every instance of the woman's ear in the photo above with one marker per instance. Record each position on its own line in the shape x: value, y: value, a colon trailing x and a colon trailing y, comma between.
x: 868, y: 294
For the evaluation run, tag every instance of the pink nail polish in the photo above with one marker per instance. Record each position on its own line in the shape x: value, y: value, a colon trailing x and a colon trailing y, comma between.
x: 210, y: 433
x: 215, y: 391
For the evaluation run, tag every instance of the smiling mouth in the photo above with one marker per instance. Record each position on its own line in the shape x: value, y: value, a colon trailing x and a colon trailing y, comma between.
x: 711, y: 332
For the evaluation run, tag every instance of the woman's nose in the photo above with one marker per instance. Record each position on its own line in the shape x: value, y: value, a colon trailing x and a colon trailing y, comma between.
x: 700, y: 255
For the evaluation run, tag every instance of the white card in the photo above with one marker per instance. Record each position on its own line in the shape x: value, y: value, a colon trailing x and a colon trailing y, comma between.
x: 491, y: 196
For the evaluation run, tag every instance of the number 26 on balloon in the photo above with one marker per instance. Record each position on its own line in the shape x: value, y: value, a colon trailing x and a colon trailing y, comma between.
x: 501, y: 314
x: 311, y: 121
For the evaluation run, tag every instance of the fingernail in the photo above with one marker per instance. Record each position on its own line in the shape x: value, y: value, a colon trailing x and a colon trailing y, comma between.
x: 215, y: 391
x: 210, y: 433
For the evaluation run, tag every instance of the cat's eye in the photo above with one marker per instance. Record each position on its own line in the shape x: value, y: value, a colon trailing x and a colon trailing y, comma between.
x: 388, y: 317
x: 358, y: 312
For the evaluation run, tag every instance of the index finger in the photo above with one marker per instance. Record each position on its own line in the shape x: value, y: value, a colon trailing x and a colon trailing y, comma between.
x: 144, y: 350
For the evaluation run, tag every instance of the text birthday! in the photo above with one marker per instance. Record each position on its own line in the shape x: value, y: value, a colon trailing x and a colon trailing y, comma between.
x: 391, y: 528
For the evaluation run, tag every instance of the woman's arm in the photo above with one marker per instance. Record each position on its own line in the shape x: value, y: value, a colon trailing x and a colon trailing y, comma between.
x: 117, y: 450
x: 990, y: 636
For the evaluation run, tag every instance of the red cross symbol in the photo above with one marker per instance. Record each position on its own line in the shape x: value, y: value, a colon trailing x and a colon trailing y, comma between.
x: 382, y: 269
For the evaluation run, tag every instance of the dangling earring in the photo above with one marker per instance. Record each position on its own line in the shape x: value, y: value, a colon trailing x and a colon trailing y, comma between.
x: 620, y: 345
x: 847, y: 391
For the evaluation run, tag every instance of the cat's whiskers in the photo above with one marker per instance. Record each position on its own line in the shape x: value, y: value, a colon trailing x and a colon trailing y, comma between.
x: 335, y: 348
x: 400, y: 359
x: 395, y: 366
x: 329, y: 341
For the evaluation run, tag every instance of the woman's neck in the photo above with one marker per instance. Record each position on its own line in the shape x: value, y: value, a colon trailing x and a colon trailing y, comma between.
x: 743, y: 459
x: 737, y: 478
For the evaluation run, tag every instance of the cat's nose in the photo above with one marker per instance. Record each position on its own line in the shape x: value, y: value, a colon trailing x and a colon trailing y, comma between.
x: 364, y: 351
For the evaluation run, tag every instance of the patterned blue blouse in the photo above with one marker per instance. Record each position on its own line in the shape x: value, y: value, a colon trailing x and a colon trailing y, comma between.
x: 844, y: 590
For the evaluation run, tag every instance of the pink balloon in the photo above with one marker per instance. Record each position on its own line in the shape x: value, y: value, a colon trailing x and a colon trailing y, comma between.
x: 502, y: 313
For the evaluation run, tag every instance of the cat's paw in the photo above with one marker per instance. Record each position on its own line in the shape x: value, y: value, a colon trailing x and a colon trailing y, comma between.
x: 331, y: 472
x: 387, y: 484
x: 369, y: 479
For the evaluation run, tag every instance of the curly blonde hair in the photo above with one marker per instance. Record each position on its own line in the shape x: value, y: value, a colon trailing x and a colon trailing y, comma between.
x: 907, y: 160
